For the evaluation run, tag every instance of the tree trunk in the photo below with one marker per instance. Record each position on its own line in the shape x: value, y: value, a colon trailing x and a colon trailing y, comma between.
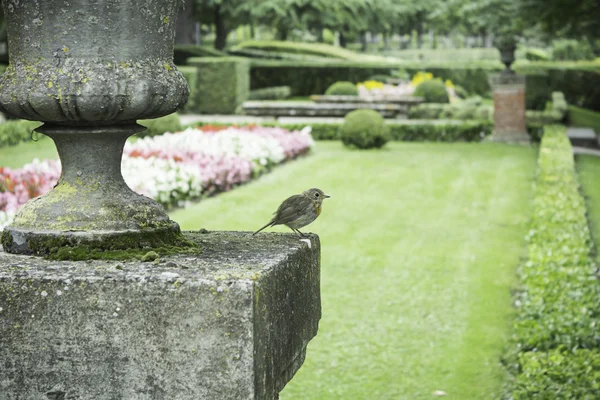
x: 252, y: 31
x: 420, y: 28
x: 385, y: 41
x: 363, y: 42
x: 343, y: 42
x: 186, y: 26
x: 320, y: 36
x: 220, y: 30
x: 282, y: 32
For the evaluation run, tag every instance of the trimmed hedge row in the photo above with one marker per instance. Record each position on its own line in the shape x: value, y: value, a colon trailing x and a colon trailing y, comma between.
x: 271, y: 93
x: 579, y: 83
x: 585, y: 118
x: 307, y: 78
x: 224, y: 83
x: 16, y: 131
x: 556, y: 339
x: 415, y: 130
x: 184, y: 51
x: 308, y: 49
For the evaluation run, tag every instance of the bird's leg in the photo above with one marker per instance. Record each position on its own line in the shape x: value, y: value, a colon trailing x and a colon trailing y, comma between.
x: 296, y: 231
x: 301, y: 234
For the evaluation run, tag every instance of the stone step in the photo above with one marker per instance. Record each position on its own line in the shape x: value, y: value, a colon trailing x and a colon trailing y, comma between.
x: 310, y: 109
x: 582, y: 137
x: 405, y: 100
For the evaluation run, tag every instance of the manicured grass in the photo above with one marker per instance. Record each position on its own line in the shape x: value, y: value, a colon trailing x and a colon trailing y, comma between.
x: 24, y: 153
x: 420, y: 242
x: 588, y: 168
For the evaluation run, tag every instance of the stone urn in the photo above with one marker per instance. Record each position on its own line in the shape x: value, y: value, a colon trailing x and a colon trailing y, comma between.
x: 89, y: 70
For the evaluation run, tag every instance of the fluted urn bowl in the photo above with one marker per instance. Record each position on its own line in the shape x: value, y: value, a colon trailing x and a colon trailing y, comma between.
x: 86, y: 62
x: 89, y: 69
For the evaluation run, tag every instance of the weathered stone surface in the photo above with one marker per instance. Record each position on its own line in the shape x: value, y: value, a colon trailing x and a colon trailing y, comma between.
x: 231, y: 323
x: 91, y: 203
x: 87, y: 62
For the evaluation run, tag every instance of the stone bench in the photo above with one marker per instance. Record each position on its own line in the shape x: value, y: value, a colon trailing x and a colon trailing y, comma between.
x: 310, y: 109
x: 230, y: 323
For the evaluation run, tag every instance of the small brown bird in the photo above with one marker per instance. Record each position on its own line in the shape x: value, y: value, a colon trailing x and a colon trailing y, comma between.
x: 298, y: 210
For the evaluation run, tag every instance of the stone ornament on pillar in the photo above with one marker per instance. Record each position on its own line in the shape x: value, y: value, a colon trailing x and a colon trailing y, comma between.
x: 89, y: 70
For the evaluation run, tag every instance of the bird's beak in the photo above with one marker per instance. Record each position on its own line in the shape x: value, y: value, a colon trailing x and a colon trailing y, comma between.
x: 326, y: 196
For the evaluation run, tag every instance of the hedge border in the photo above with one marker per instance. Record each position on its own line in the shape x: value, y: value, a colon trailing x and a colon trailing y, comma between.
x: 554, y: 349
x: 584, y: 118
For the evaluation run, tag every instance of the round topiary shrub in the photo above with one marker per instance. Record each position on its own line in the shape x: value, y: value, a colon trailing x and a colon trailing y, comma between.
x: 364, y: 129
x: 432, y: 91
x: 342, y: 89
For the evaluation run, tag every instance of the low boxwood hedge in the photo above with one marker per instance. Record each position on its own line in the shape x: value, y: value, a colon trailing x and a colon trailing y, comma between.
x: 409, y: 130
x: 584, y: 118
x: 554, y: 349
x: 271, y: 93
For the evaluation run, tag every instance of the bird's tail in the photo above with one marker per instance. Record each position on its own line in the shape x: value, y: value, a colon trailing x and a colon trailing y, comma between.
x: 266, y: 226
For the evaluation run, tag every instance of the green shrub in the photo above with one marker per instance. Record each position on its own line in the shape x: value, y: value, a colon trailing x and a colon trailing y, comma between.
x: 584, y: 118
x: 432, y: 91
x: 364, y: 129
x: 272, y: 93
x: 559, y: 375
x: 536, y: 55
x: 224, y: 84
x: 380, y: 78
x: 191, y: 76
x: 16, y: 131
x: 572, y: 50
x: 559, y: 103
x: 461, y: 92
x: 555, y: 112
x: 427, y: 111
x: 184, y: 51
x: 557, y: 304
x: 158, y: 126
x: 342, y: 89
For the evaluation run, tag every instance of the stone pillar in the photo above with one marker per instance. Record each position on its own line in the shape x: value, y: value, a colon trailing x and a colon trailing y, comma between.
x: 210, y: 316
x: 509, y: 108
x: 230, y: 323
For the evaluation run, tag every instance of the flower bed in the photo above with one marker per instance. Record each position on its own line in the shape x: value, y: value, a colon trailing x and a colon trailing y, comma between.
x: 175, y: 167
x: 374, y: 90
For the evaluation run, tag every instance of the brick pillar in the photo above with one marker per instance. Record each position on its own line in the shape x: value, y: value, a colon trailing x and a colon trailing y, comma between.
x: 509, y: 108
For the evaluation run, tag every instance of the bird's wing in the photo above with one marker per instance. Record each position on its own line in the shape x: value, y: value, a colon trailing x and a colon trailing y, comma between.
x: 291, y: 208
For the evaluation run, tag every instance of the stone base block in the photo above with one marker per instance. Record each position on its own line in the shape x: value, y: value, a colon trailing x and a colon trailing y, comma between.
x: 510, y: 137
x: 230, y: 323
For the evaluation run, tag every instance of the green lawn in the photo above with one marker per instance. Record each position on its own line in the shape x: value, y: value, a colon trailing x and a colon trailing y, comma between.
x: 24, y: 153
x: 420, y: 243
x: 588, y: 168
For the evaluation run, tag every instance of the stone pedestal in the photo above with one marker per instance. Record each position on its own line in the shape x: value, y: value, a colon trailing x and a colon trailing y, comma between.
x: 232, y: 322
x: 509, y: 108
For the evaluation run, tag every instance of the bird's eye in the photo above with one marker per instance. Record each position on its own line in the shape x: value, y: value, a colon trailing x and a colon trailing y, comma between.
x: 316, y: 194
